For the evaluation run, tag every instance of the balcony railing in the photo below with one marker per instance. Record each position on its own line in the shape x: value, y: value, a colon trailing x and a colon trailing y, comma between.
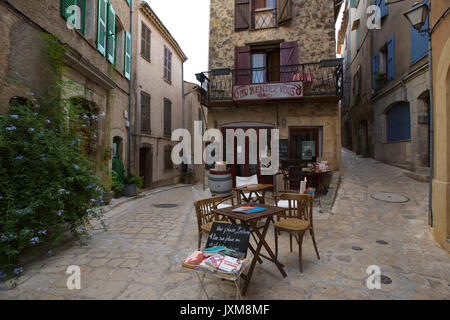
x: 264, y: 18
x: 321, y: 79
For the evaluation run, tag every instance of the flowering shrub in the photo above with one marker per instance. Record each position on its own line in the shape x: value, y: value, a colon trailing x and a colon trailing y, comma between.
x: 46, y: 183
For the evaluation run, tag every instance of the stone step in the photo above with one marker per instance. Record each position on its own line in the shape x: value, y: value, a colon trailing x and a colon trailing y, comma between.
x: 419, y: 174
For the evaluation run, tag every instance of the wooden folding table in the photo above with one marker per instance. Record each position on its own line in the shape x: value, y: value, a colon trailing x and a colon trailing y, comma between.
x: 251, y: 220
x: 251, y: 192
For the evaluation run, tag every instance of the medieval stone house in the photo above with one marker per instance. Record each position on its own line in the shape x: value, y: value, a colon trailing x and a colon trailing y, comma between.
x: 272, y: 66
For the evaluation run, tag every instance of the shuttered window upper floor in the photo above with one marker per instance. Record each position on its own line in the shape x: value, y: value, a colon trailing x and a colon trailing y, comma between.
x: 261, y: 14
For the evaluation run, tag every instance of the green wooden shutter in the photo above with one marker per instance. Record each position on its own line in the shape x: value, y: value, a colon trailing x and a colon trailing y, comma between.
x: 111, y: 32
x: 65, y: 4
x: 127, y: 64
x: 101, y: 26
x: 128, y: 1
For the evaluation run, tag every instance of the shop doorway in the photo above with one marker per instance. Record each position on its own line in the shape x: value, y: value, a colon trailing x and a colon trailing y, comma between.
x: 247, y: 169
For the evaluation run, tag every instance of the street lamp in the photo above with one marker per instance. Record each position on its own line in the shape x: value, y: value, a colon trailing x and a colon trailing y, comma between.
x: 417, y: 15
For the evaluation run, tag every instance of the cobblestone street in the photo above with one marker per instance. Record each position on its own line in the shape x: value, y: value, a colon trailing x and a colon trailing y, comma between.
x: 140, y: 255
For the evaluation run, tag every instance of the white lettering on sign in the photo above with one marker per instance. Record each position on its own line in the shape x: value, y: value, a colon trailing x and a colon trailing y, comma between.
x: 262, y: 91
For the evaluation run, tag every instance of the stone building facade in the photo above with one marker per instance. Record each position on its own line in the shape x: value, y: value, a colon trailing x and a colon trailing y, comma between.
x: 157, y: 98
x: 386, y: 104
x: 440, y: 40
x: 96, y: 68
x: 270, y: 46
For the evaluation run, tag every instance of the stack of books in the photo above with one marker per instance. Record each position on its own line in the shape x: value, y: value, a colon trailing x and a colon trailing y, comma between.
x: 219, y: 263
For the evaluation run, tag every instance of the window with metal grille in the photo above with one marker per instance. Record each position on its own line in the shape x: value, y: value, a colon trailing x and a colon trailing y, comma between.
x: 398, y: 123
x: 167, y: 64
x: 145, y: 112
x: 145, y: 42
x: 168, y: 164
x: 167, y: 117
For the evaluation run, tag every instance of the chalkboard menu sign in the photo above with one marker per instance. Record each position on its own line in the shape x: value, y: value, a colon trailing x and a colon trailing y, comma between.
x: 284, y: 149
x: 232, y: 236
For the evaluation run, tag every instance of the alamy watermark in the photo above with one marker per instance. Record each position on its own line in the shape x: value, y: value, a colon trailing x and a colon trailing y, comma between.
x: 259, y: 150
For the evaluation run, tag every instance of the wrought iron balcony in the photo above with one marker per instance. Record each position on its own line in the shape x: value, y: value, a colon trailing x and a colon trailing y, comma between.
x: 294, y: 82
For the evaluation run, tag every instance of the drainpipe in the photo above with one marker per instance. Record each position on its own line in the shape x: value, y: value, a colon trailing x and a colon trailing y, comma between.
x: 431, y: 131
x: 130, y: 91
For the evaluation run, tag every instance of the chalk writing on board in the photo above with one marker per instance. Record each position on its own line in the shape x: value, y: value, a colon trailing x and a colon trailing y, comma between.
x: 232, y: 236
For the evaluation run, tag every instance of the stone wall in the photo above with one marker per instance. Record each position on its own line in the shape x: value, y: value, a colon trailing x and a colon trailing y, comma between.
x: 24, y: 65
x: 312, y: 26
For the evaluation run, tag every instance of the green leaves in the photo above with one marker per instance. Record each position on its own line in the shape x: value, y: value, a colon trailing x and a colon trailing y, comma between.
x: 46, y: 183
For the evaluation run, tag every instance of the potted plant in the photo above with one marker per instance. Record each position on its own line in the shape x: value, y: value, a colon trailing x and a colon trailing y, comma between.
x: 380, y: 77
x: 188, y: 177
x: 132, y: 184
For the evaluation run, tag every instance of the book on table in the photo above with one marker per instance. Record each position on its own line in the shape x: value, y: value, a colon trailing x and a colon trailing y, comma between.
x: 194, y: 260
x: 221, y: 264
x: 249, y: 209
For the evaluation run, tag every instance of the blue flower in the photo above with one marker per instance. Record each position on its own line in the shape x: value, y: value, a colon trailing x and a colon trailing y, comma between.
x: 76, y: 167
x: 18, y: 271
x: 94, y: 117
x: 51, y: 253
x: 36, y: 113
x: 44, y: 159
x: 28, y: 211
x: 2, y: 275
x: 62, y: 191
x: 31, y: 129
x: 1, y: 196
x: 44, y: 232
x: 88, y: 187
x: 85, y: 116
x: 34, y: 240
x: 14, y: 116
x: 89, y: 210
x: 4, y: 238
x: 60, y: 212
x: 94, y: 200
x: 11, y: 128
x: 19, y: 157
x: 48, y: 121
x: 37, y: 106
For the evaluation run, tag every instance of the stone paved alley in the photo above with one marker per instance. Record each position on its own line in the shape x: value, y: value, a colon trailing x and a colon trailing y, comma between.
x: 140, y: 255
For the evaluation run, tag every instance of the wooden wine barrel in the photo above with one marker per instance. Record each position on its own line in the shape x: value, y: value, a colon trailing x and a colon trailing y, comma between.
x: 220, y: 182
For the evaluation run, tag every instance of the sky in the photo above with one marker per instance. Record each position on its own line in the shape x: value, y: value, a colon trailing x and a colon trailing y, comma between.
x: 188, y: 22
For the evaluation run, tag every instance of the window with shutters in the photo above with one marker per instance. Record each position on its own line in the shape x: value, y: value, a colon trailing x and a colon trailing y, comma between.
x: 398, y: 123
x: 168, y: 164
x: 167, y: 64
x: 120, y: 45
x: 69, y: 13
x: 264, y: 14
x: 145, y: 113
x: 145, y: 42
x: 102, y: 26
x: 261, y: 14
x: 383, y: 64
x: 127, y: 56
x: 111, y: 35
x: 266, y: 63
x: 167, y: 117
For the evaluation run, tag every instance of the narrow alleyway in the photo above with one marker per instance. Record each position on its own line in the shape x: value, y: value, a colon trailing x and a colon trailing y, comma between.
x: 140, y: 255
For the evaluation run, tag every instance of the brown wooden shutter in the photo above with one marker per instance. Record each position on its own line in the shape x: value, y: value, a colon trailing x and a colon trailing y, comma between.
x: 289, y: 60
x: 167, y: 117
x: 145, y: 112
x: 242, y: 65
x: 242, y: 14
x: 259, y: 4
x: 284, y: 11
x: 145, y: 42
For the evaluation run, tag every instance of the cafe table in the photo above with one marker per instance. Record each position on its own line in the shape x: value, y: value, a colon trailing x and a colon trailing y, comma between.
x: 251, y: 219
x: 252, y: 193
